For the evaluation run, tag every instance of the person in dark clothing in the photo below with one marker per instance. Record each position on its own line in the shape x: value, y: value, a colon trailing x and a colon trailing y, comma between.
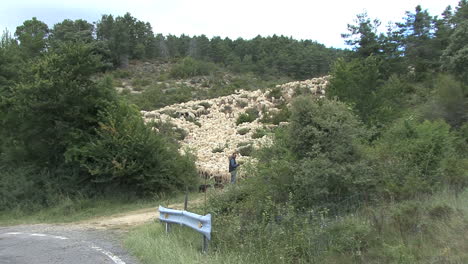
x: 233, y: 167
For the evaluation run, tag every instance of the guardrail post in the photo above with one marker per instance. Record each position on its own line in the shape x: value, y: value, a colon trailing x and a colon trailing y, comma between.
x: 168, y: 228
x: 186, y: 199
x: 205, y: 245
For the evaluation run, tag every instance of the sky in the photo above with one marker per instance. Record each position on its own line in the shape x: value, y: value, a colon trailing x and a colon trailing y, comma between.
x: 320, y: 20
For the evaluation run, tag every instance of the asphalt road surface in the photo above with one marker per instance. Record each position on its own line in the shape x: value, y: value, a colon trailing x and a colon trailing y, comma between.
x: 61, y: 244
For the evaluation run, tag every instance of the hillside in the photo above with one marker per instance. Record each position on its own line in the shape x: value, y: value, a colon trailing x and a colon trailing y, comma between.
x: 212, y: 127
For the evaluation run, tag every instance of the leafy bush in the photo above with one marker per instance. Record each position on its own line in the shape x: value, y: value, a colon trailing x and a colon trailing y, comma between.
x: 155, y: 97
x: 219, y: 149
x: 410, y: 156
x: 189, y: 67
x: 324, y: 127
x: 243, y: 144
x: 250, y: 115
x: 246, y: 150
x: 275, y: 93
x: 205, y: 104
x: 119, y: 73
x: 243, y: 131
x: 449, y: 102
x: 19, y: 189
x: 170, y: 130
x: 259, y: 133
x: 242, y: 103
x: 127, y: 154
x: 140, y: 82
x: 278, y: 117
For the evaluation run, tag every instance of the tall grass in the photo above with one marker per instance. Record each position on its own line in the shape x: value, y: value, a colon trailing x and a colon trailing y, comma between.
x: 430, y: 229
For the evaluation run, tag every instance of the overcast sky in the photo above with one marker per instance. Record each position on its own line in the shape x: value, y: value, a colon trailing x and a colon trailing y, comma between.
x: 319, y: 20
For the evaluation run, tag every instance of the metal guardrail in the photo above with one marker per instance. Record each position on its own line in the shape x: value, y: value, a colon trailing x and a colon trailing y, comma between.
x: 199, y: 223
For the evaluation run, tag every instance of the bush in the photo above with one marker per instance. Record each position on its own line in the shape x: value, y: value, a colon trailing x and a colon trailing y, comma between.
x: 325, y: 127
x: 170, y: 130
x: 276, y: 118
x: 259, y: 133
x: 121, y: 74
x: 246, y: 150
x: 449, y: 102
x: 24, y: 188
x: 205, y: 104
x: 243, y: 131
x: 139, y: 83
x: 242, y: 103
x: 249, y: 116
x: 219, y: 149
x: 413, y: 157
x: 155, y: 97
x: 127, y: 154
x: 190, y: 67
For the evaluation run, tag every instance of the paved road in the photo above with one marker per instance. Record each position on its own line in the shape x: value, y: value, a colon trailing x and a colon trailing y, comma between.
x: 61, y: 244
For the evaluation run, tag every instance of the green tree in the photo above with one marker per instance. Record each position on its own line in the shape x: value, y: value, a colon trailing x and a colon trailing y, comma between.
x: 32, y: 36
x: 455, y: 56
x: 129, y: 156
x: 357, y: 82
x: 418, y: 41
x: 54, y: 107
x: 461, y: 13
x: 410, y: 158
x: 69, y: 30
x: 363, y: 36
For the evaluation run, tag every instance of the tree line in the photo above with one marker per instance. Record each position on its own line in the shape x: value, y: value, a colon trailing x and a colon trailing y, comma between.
x: 122, y: 38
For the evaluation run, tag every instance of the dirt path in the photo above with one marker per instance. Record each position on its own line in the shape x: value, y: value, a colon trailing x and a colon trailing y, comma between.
x: 128, y: 219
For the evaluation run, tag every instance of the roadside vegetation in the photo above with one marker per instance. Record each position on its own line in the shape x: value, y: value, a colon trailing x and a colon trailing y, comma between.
x: 376, y: 172
x: 76, y: 209
x: 373, y: 172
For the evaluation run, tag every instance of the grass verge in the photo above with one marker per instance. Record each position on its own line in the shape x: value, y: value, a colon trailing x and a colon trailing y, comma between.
x: 425, y: 230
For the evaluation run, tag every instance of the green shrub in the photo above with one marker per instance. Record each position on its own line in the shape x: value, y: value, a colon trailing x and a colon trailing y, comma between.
x: 242, y: 103
x: 219, y: 149
x: 413, y: 158
x: 121, y: 74
x: 243, y: 131
x: 171, y: 131
x: 249, y: 116
x: 243, y: 144
x: 189, y: 67
x: 140, y: 82
x: 259, y: 133
x: 440, y: 212
x: 278, y: 117
x: 127, y: 154
x: 155, y: 97
x: 26, y: 188
x: 246, y: 150
x: 449, y: 102
x: 275, y: 93
x: 205, y: 104
x: 324, y: 127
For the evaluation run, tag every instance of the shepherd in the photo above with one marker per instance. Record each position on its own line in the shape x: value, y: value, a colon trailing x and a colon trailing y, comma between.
x: 233, y: 166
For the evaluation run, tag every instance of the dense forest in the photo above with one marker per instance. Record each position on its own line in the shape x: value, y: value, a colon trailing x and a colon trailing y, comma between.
x: 347, y: 180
